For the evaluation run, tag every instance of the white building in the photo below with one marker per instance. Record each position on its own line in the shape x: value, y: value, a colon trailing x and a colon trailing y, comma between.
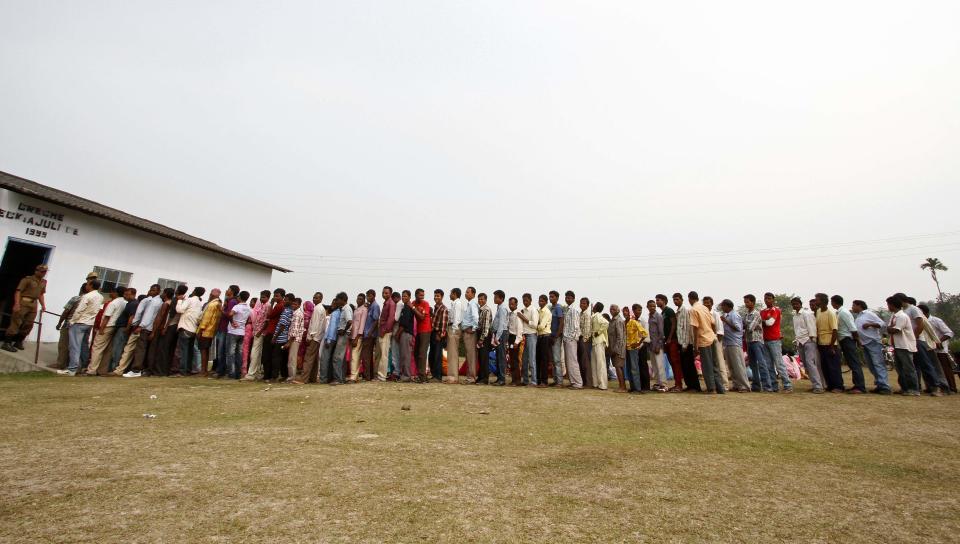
x: 74, y: 236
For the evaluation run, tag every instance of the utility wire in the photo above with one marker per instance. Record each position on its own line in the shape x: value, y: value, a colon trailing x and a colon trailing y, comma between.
x: 780, y: 249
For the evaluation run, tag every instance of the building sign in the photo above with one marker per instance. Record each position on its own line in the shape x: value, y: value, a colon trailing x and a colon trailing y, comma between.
x: 38, y: 222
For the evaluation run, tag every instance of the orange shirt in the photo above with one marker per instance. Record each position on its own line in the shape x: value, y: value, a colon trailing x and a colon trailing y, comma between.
x: 702, y: 319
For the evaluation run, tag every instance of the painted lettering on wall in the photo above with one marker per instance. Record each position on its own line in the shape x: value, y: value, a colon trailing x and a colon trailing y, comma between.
x: 39, y: 221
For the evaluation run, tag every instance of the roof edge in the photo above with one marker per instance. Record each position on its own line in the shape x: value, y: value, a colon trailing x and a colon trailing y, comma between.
x: 71, y: 201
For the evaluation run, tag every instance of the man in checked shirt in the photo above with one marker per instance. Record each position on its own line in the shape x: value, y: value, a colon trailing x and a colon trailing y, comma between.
x: 438, y: 337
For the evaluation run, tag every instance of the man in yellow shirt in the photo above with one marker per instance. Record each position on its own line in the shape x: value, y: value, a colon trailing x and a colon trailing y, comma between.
x: 705, y: 338
x: 207, y: 328
x: 827, y: 325
x: 544, y: 350
x: 638, y: 373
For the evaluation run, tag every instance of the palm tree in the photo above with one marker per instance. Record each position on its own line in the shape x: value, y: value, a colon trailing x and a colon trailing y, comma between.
x: 933, y: 264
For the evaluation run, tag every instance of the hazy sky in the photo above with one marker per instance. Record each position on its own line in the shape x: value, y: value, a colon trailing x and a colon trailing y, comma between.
x: 691, y: 145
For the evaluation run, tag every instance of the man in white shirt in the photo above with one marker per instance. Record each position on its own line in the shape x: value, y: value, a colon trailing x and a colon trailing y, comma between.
x: 904, y: 343
x: 190, y: 309
x: 81, y: 322
x: 103, y: 342
x: 941, y: 334
x: 718, y: 346
x: 454, y: 320
x: 869, y: 334
x: 530, y: 317
x: 315, y: 331
x: 237, y: 317
x: 515, y: 334
x: 805, y: 336
x: 932, y: 374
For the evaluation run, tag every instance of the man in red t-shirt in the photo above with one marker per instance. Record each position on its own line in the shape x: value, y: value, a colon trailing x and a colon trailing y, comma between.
x: 421, y: 309
x: 270, y: 327
x: 772, y: 342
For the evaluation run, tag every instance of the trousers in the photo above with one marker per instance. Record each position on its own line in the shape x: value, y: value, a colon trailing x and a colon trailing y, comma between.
x: 570, y: 353
x: 599, y: 365
x: 101, y: 351
x: 386, y: 340
x: 453, y: 354
x: 810, y: 356
x: 738, y: 372
x: 255, y: 368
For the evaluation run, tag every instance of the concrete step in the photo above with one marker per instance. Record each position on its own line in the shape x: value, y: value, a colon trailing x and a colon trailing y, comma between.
x: 22, y: 361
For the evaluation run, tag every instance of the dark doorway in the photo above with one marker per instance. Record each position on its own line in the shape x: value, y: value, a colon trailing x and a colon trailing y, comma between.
x: 20, y: 259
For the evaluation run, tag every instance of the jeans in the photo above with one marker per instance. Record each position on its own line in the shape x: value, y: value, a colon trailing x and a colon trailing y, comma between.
x: 85, y: 351
x: 79, y: 335
x: 232, y: 355
x: 932, y: 373
x: 852, y: 355
x: 119, y: 341
x: 529, y: 373
x: 557, y: 347
x: 185, y: 345
x: 775, y: 364
x: 637, y: 369
x: 504, y: 343
x: 436, y: 356
x: 878, y: 367
x: 760, y: 377
x: 220, y: 361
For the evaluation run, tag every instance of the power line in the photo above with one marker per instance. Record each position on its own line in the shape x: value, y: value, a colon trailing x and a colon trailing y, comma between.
x: 480, y: 263
x: 601, y: 274
x: 780, y: 249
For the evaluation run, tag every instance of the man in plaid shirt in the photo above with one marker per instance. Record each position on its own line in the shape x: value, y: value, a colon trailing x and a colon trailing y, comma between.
x: 484, y: 340
x: 439, y: 336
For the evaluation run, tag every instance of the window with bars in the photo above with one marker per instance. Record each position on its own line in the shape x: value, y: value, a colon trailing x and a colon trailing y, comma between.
x: 173, y: 284
x: 110, y: 278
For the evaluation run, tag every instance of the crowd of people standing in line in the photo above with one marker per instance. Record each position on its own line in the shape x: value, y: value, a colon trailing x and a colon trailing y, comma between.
x: 279, y: 337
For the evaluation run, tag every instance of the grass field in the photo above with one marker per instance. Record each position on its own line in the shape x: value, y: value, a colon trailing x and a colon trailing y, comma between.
x: 235, y: 462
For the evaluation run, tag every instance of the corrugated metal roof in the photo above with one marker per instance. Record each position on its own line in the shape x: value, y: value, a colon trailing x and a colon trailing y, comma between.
x: 74, y: 202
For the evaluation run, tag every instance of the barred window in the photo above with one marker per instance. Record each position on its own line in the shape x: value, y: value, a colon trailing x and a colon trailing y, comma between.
x: 111, y: 278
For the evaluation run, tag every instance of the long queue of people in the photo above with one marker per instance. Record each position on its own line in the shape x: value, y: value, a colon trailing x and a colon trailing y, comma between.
x: 548, y: 343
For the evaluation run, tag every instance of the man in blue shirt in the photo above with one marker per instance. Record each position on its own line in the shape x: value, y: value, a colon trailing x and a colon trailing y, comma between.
x: 733, y: 346
x: 471, y: 318
x: 556, y: 342
x: 371, y: 329
x: 328, y: 372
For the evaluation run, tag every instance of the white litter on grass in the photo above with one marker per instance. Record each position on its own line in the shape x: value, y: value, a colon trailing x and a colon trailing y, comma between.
x: 153, y: 397
x: 150, y: 416
x: 266, y: 388
x: 368, y: 436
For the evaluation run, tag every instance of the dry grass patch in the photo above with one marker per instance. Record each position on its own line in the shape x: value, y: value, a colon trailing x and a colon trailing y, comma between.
x: 228, y: 461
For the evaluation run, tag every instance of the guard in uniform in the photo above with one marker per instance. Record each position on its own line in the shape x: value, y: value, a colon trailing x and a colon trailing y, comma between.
x: 29, y: 292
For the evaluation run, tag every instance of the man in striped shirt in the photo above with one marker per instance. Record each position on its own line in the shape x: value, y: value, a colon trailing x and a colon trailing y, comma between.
x: 484, y: 340
x: 687, y: 349
x: 281, y: 335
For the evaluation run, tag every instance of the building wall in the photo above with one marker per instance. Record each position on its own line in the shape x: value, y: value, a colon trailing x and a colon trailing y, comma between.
x: 81, y: 242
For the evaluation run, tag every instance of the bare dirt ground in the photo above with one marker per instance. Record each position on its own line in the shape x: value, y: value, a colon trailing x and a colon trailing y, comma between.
x: 226, y: 461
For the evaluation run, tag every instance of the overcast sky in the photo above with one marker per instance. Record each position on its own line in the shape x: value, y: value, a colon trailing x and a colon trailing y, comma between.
x: 690, y: 145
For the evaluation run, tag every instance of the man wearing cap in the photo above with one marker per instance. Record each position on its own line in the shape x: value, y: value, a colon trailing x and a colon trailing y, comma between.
x: 29, y: 291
